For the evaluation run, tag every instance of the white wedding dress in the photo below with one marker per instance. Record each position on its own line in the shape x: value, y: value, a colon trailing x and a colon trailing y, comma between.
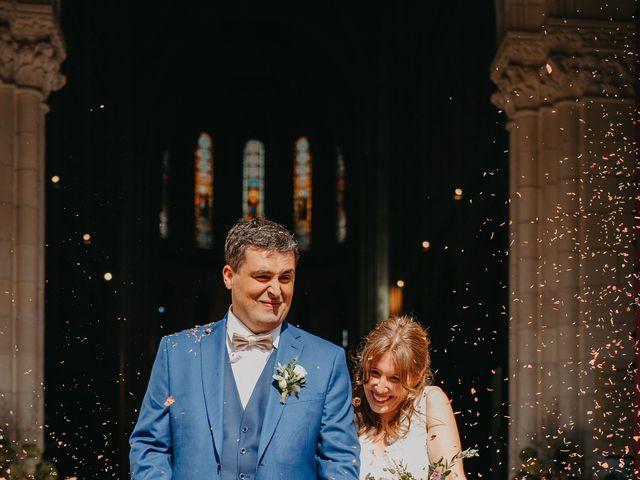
x: 411, y: 450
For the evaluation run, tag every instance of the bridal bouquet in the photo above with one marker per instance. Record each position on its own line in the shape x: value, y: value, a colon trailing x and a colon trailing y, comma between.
x: 441, y: 469
x: 438, y: 470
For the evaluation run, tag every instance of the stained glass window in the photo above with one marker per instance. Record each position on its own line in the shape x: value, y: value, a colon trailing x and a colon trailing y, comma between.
x: 341, y: 213
x: 253, y: 183
x: 302, y: 192
x: 203, y: 198
x: 163, y: 220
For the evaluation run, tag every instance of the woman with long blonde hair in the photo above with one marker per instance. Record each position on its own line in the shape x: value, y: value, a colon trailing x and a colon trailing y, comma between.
x: 402, y: 420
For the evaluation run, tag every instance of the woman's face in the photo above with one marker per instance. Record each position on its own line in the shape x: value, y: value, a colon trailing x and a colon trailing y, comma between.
x: 384, y: 390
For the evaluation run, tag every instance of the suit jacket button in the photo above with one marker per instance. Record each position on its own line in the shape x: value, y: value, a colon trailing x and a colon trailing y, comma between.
x: 242, y: 476
x: 245, y: 429
x: 243, y: 451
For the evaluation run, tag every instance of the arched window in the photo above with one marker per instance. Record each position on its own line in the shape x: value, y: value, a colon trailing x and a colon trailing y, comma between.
x: 341, y: 213
x: 163, y: 217
x: 203, y: 198
x: 253, y: 180
x: 302, y: 192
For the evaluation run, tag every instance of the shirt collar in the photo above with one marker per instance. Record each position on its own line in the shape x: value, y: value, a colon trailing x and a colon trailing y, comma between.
x: 235, y: 325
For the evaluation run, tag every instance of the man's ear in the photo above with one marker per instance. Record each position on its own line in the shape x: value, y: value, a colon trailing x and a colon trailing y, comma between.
x: 227, y: 276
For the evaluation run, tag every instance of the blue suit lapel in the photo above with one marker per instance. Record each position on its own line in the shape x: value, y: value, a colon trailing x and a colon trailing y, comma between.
x: 290, y: 347
x: 213, y: 355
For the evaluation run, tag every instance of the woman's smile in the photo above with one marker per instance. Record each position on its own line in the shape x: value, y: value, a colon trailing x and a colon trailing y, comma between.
x: 384, y: 390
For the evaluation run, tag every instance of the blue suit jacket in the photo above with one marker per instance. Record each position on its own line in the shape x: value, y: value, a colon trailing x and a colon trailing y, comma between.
x: 179, y: 430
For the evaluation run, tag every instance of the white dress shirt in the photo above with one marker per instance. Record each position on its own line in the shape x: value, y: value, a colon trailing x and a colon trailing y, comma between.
x: 247, y: 365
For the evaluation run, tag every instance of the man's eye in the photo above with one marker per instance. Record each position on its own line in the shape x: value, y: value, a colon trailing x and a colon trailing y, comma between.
x: 262, y: 278
x: 285, y: 279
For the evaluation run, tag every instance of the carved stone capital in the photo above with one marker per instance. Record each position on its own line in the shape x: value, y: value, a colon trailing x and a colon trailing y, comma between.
x: 31, y: 47
x: 563, y: 62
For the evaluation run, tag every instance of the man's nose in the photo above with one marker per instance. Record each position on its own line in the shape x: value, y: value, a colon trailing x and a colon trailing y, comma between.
x: 274, y: 289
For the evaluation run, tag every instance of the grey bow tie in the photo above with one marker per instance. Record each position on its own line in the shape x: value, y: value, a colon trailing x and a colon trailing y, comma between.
x: 263, y: 342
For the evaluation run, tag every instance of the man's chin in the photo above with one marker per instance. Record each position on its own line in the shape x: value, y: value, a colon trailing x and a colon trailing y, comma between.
x: 271, y: 321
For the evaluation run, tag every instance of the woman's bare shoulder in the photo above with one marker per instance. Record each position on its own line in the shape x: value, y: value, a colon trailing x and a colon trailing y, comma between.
x: 438, y: 407
x: 435, y: 396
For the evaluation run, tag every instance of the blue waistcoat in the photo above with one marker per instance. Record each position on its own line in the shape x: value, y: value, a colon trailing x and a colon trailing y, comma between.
x: 241, y: 431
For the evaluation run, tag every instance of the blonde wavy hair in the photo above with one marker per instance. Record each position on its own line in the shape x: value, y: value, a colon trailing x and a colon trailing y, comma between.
x: 408, y: 343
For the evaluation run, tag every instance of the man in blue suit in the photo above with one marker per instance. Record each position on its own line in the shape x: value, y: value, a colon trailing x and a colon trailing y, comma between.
x: 213, y: 409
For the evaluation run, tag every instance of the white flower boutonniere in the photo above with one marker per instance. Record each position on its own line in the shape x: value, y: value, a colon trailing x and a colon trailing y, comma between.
x: 290, y: 379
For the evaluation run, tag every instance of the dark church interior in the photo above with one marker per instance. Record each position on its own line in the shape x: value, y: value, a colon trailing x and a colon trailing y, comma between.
x: 401, y: 91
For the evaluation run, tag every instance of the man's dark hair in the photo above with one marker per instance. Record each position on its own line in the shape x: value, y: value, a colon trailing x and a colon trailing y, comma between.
x: 259, y: 233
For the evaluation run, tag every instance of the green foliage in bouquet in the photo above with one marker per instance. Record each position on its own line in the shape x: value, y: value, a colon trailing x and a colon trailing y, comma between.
x: 399, y: 472
x: 438, y: 470
x: 441, y: 469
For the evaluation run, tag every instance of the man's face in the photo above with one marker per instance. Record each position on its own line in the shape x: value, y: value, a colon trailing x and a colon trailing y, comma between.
x: 261, y: 288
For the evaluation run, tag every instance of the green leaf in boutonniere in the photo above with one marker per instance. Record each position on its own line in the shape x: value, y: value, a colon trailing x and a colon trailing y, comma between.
x: 290, y: 378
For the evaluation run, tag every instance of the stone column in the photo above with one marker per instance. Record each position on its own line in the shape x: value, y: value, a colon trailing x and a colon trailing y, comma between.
x: 31, y: 52
x: 524, y: 291
x: 565, y: 225
x: 567, y: 89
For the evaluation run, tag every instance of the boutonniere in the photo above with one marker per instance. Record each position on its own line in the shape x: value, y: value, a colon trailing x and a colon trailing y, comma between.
x: 290, y: 379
